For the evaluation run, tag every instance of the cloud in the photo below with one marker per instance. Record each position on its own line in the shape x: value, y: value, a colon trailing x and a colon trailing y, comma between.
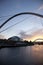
x: 34, y: 35
x: 2, y: 37
x: 24, y: 36
x: 37, y: 34
x: 40, y: 8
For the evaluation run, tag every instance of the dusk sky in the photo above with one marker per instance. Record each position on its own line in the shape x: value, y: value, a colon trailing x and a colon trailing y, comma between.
x: 30, y: 28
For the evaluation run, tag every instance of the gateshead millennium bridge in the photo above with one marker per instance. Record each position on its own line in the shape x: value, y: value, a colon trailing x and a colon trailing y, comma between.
x: 23, y: 13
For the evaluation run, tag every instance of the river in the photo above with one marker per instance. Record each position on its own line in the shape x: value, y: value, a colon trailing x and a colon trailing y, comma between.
x: 29, y: 55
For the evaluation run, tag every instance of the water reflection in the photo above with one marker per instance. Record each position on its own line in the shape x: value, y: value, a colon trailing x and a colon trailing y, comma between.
x: 30, y: 55
x: 37, y: 54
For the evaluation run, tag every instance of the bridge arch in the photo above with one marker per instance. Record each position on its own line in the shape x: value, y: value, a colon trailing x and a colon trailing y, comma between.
x: 31, y: 13
x: 38, y: 39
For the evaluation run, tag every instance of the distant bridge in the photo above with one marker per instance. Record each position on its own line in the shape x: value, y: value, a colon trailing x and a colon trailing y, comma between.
x: 36, y: 14
x: 38, y: 39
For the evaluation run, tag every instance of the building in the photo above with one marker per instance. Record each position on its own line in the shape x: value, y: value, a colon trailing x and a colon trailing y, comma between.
x: 15, y: 38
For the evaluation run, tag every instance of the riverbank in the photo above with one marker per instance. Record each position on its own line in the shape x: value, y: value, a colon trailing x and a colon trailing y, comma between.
x: 18, y: 45
x: 9, y: 43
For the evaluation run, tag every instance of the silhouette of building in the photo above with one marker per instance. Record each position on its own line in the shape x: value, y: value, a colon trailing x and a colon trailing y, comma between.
x: 15, y: 38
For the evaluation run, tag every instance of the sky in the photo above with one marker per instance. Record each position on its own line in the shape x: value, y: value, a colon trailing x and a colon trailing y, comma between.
x: 30, y: 27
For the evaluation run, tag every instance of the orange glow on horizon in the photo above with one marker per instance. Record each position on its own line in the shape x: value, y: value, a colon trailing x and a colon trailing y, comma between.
x: 34, y: 38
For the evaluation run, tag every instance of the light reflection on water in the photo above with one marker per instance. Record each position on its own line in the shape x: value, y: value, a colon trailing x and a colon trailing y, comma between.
x: 30, y: 55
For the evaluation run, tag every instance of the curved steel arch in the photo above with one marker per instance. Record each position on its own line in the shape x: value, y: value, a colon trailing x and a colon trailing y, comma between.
x: 36, y: 14
x: 38, y: 39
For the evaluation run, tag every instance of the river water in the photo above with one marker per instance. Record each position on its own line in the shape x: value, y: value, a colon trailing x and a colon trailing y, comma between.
x: 29, y: 55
